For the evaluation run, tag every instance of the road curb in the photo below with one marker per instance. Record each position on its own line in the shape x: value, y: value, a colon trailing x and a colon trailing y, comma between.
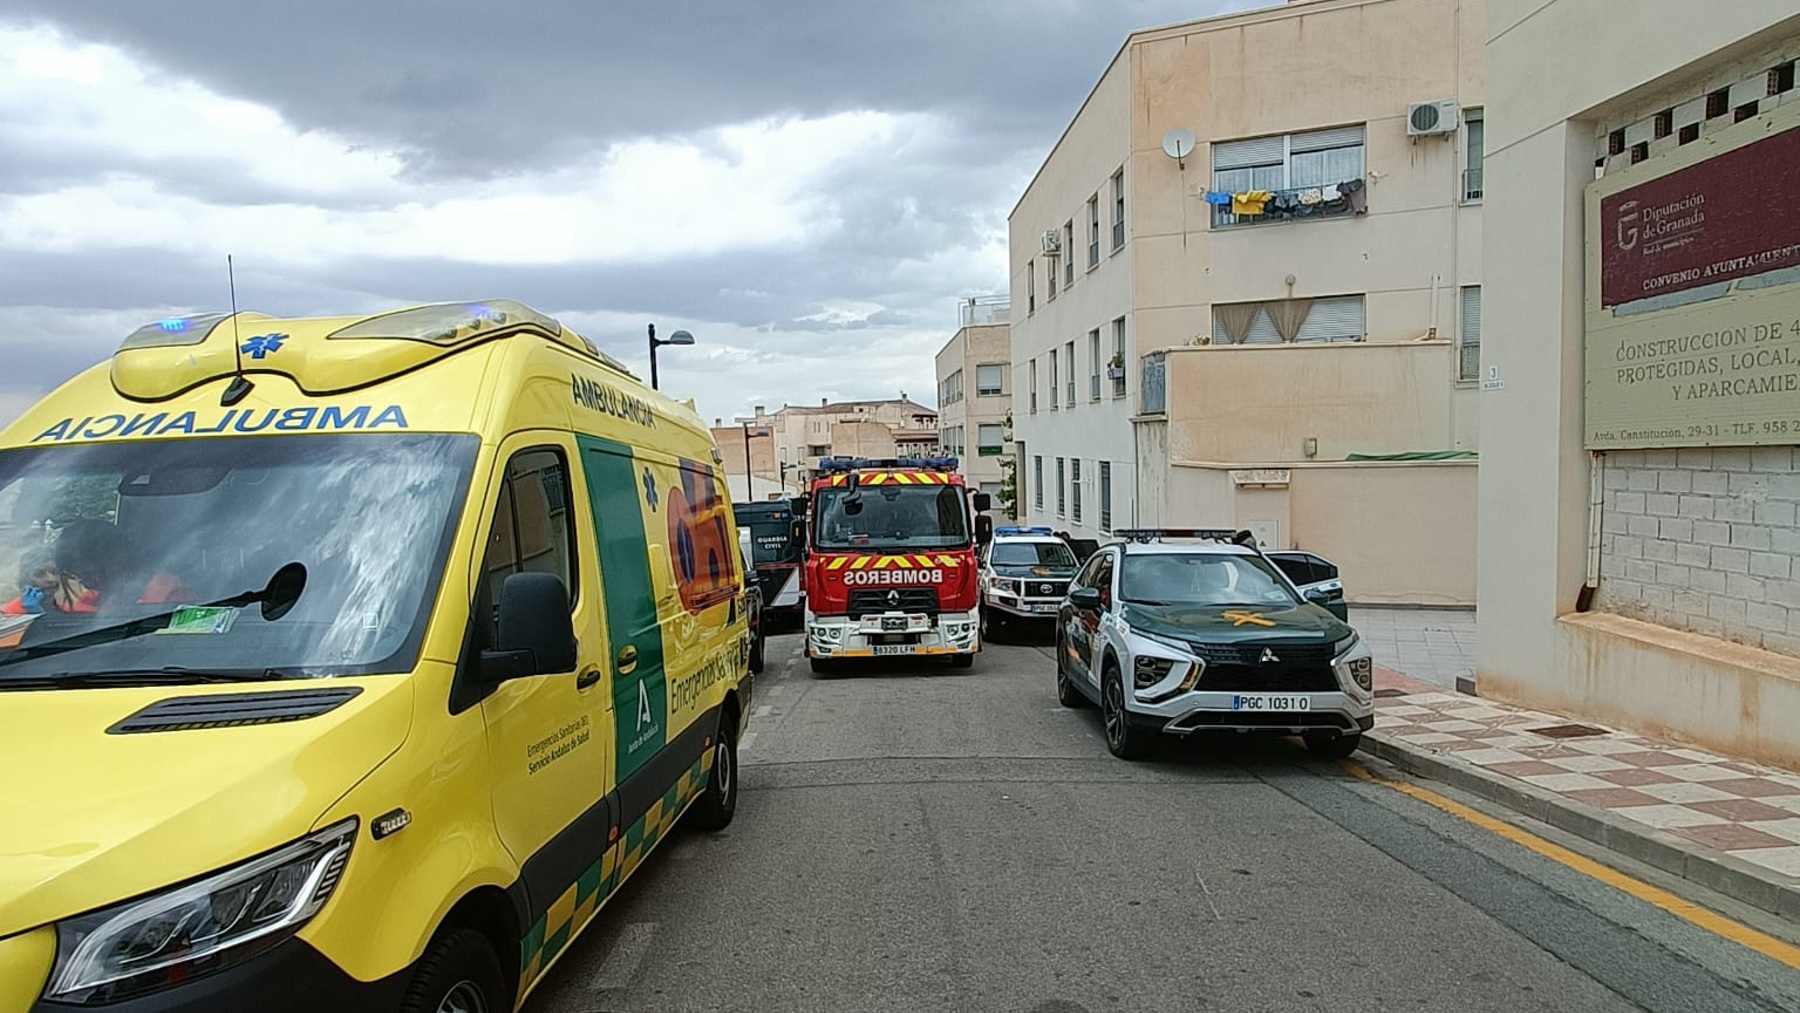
x: 1735, y: 878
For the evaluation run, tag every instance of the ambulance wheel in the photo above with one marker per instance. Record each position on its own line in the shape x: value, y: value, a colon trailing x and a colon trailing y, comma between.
x: 757, y: 643
x: 992, y: 625
x: 962, y: 660
x: 718, y: 800
x: 821, y: 666
x: 458, y: 974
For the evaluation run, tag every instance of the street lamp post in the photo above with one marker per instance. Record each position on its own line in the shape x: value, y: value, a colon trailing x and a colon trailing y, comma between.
x: 677, y: 338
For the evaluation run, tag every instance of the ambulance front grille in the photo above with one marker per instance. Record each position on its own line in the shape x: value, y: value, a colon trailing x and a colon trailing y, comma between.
x: 234, y: 710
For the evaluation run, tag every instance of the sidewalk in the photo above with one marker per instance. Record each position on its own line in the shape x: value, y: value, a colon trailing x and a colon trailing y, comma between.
x: 1729, y: 825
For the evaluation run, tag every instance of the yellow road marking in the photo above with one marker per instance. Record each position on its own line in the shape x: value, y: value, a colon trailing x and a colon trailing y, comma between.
x: 1717, y: 924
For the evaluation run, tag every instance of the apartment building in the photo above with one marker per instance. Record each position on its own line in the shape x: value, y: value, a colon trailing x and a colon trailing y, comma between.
x: 975, y: 393
x: 801, y: 434
x: 1639, y: 551
x: 1246, y: 291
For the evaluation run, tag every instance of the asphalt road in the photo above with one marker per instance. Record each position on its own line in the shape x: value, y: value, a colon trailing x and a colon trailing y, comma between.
x: 917, y: 838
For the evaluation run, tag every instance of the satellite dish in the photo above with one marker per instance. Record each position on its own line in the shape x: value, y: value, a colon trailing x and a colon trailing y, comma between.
x: 1178, y: 143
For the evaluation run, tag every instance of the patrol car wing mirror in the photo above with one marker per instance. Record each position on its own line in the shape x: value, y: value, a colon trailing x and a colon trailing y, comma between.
x: 1085, y: 598
x: 534, y: 635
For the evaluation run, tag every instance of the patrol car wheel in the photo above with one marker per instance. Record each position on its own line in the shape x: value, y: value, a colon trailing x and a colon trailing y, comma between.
x: 1334, y: 747
x: 718, y: 800
x: 1122, y: 740
x: 992, y: 624
x: 1067, y: 693
x: 458, y: 974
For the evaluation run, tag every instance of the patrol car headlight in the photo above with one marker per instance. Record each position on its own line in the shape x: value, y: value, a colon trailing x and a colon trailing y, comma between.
x: 1350, y: 654
x: 168, y: 938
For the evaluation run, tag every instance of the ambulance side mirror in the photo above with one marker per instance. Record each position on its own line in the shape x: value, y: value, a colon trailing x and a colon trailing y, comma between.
x: 535, y: 634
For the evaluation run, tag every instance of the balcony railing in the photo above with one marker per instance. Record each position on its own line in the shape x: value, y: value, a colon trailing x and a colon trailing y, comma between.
x: 1472, y: 184
x: 981, y: 311
x: 1286, y: 205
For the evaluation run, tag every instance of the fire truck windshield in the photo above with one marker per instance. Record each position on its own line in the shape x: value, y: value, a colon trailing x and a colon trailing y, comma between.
x: 891, y: 516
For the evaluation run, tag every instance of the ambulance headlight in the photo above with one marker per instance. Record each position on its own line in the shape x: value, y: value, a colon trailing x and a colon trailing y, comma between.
x: 177, y: 935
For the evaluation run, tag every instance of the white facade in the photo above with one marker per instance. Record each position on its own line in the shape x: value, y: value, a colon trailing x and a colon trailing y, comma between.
x: 1618, y: 585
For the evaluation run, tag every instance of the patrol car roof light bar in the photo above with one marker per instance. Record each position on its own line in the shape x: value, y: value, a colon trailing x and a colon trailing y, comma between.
x: 1228, y: 535
x: 1012, y: 530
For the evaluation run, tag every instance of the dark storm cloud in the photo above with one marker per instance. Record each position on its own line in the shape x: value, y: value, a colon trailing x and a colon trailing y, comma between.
x: 473, y: 86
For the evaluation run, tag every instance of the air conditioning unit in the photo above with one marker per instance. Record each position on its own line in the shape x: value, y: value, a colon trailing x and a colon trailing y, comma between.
x: 1052, y: 243
x: 1431, y: 119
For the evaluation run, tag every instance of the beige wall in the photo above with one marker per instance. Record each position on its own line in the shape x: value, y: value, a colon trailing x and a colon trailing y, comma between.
x: 800, y: 427
x: 1296, y: 68
x: 862, y: 439
x: 969, y: 348
x: 1262, y: 402
x: 1558, y: 71
x: 730, y: 441
x: 1399, y: 532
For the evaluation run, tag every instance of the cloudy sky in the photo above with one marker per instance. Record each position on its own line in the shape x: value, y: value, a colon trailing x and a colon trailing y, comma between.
x: 808, y: 186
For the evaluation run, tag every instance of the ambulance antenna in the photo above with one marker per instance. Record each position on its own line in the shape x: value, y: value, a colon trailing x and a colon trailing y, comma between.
x: 240, y: 384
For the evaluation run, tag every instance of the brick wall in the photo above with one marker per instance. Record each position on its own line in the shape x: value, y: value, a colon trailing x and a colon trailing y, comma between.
x: 1705, y: 540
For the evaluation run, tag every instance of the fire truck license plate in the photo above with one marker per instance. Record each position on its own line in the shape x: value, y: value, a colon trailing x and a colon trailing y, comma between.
x: 881, y: 649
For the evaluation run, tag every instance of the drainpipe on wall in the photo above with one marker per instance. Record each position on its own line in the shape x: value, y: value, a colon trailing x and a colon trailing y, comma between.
x: 1584, y: 599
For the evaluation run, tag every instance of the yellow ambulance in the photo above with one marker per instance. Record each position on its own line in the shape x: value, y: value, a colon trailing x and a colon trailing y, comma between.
x: 351, y: 663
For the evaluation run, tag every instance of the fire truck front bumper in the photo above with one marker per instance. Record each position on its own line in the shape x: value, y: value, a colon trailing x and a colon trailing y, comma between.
x: 892, y: 634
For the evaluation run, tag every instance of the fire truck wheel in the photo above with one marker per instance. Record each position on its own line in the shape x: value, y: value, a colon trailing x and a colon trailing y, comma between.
x: 961, y: 660
x: 821, y: 666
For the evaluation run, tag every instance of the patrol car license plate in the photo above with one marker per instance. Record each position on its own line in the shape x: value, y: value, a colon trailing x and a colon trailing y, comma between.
x: 881, y: 649
x: 1043, y: 608
x: 1270, y: 702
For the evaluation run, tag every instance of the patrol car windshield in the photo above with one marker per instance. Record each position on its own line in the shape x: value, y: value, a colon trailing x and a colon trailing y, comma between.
x: 1033, y: 554
x: 891, y: 516
x: 1197, y: 579
x: 112, y: 553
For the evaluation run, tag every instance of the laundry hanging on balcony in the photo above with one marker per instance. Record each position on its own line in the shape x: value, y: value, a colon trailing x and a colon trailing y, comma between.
x: 1218, y: 198
x: 1250, y: 202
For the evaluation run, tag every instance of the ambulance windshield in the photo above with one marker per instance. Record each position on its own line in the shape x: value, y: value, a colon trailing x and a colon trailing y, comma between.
x: 114, y: 556
x: 891, y: 516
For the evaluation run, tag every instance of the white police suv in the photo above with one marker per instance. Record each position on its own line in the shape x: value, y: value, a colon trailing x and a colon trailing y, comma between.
x: 1025, y: 574
x: 1178, y: 631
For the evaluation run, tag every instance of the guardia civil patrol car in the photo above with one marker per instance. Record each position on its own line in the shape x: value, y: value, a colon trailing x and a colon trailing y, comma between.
x: 351, y: 663
x: 1184, y: 631
x: 1025, y: 574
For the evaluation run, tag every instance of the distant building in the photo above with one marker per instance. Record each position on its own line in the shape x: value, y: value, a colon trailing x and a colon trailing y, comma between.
x: 798, y: 435
x: 1246, y: 290
x: 975, y: 392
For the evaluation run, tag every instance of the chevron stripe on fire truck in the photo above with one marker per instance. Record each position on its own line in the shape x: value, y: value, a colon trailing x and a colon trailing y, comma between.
x: 895, y: 478
x: 899, y: 562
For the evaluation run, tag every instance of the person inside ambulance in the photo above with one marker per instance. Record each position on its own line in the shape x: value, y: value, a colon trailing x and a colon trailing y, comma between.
x: 87, y: 561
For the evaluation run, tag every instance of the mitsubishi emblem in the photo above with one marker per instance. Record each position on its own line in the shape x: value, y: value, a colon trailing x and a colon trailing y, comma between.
x: 893, y: 599
x: 1268, y: 656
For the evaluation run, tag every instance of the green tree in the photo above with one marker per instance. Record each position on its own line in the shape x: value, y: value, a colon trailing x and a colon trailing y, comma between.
x: 1009, y: 478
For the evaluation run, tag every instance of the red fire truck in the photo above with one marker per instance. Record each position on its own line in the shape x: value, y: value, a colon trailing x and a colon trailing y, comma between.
x: 890, y: 561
